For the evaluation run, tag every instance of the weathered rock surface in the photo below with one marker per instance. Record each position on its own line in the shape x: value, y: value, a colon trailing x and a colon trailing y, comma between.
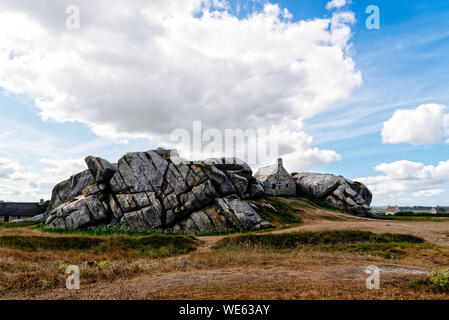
x: 255, y: 188
x: 69, y: 189
x: 38, y: 218
x: 101, y: 169
x: 157, y: 189
x: 338, y: 192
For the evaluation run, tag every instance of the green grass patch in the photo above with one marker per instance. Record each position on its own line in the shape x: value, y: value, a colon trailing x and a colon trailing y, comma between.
x: 386, y: 250
x: 413, y: 218
x: 297, y: 239
x: 14, y: 225
x: 387, y: 245
x: 417, y: 283
x: 284, y: 214
x: 107, y: 230
x: 420, y: 214
x: 156, y: 245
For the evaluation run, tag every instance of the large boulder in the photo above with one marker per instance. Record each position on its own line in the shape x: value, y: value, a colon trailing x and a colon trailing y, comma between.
x: 157, y: 189
x: 255, y: 188
x: 101, y: 169
x: 336, y: 191
x: 69, y: 189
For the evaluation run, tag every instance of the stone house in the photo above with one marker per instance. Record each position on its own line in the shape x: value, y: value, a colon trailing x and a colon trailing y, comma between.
x: 276, y: 180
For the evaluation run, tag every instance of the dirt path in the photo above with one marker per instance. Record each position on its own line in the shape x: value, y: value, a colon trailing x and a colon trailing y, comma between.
x: 338, y: 280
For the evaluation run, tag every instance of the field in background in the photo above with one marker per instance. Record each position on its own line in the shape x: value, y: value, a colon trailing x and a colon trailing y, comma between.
x: 311, y: 253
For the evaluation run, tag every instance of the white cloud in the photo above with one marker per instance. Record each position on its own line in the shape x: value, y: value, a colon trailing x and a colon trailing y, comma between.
x: 7, y: 168
x: 428, y: 193
x: 426, y: 124
x: 63, y: 169
x: 144, y: 68
x: 402, y: 178
x: 30, y: 184
x: 337, y: 4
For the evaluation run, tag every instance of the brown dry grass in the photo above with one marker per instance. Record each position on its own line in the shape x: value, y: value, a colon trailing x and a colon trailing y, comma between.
x: 303, y: 273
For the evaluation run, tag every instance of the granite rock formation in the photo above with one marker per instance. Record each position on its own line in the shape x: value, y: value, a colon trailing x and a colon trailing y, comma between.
x: 157, y: 189
x: 336, y: 191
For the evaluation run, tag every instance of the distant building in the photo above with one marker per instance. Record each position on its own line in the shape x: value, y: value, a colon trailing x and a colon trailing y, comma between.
x: 276, y: 180
x: 392, y: 210
x: 438, y: 209
x: 16, y: 210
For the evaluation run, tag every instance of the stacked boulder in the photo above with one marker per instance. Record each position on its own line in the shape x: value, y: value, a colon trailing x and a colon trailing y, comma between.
x: 336, y: 191
x: 157, y: 189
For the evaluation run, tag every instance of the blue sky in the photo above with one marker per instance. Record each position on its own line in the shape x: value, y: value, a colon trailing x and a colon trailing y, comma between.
x: 403, y: 65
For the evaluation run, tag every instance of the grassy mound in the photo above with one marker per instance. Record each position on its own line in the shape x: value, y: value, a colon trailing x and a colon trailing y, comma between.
x: 390, y: 246
x: 293, y: 240
x: 157, y: 245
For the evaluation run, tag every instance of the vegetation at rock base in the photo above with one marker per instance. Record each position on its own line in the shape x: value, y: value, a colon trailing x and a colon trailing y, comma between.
x: 44, y: 206
x: 106, y: 230
x: 285, y: 213
x: 15, y: 225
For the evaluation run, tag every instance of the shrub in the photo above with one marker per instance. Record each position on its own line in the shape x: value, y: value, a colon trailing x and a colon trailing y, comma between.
x: 284, y: 214
x: 439, y: 281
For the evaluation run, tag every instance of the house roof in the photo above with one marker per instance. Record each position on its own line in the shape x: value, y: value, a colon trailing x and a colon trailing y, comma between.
x: 392, y: 208
x: 267, y: 171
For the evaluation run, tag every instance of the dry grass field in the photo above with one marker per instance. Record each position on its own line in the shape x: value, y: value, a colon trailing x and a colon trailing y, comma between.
x: 298, y: 259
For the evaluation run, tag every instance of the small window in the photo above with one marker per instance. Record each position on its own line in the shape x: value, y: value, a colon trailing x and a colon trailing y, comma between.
x: 273, y: 186
x: 286, y: 185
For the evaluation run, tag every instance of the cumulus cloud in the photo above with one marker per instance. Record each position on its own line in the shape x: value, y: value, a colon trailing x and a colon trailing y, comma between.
x: 7, y: 168
x: 144, y: 68
x: 337, y: 4
x: 402, y: 178
x: 426, y: 124
x: 28, y: 184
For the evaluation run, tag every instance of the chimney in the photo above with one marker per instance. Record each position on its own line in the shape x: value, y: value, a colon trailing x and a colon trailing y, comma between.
x: 280, y: 164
